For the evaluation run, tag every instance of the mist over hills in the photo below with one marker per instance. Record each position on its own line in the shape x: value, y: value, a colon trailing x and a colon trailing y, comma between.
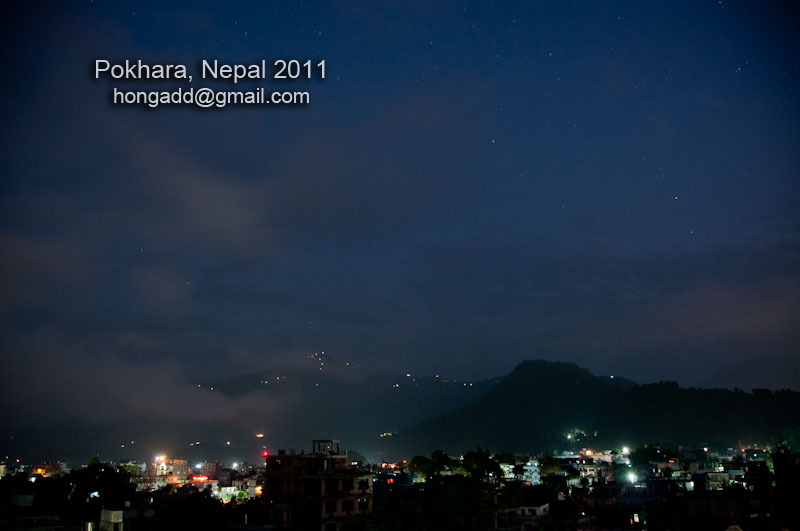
x: 541, y: 406
x: 305, y: 398
x: 532, y: 409
x: 322, y: 397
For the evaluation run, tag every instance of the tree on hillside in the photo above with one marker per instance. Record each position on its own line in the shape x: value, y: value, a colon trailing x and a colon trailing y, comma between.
x: 549, y: 465
x: 478, y: 464
x: 421, y: 466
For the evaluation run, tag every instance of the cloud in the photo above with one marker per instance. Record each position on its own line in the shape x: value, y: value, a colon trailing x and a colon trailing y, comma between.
x: 160, y: 286
x: 609, y: 309
x: 51, y: 378
x: 712, y: 311
x: 36, y: 270
x: 191, y: 203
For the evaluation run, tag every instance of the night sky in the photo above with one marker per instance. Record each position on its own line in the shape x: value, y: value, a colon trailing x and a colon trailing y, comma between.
x: 472, y: 185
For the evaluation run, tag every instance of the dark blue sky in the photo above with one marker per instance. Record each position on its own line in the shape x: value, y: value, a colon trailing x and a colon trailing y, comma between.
x: 474, y: 184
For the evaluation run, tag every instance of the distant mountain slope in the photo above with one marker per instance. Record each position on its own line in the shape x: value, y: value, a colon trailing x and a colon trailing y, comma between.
x: 322, y: 397
x: 546, y: 405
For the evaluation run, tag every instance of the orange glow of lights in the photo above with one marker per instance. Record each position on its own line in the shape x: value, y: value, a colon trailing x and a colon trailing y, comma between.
x: 199, y: 479
x: 390, y: 481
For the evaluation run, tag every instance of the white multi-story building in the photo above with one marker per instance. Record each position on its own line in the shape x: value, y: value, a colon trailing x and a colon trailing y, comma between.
x: 530, y: 472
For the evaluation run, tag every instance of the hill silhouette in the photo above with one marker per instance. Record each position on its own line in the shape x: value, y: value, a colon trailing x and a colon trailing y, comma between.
x: 542, y: 406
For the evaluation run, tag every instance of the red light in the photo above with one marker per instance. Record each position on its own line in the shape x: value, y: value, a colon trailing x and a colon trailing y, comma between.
x: 265, y: 454
x: 390, y: 481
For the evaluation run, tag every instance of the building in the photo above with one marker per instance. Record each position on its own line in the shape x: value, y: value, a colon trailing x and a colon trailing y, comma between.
x: 317, y: 490
x: 522, y: 517
x: 531, y: 473
x: 48, y: 469
x: 247, y: 485
x: 594, y: 469
x: 136, y: 469
x: 164, y: 471
x: 207, y: 468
